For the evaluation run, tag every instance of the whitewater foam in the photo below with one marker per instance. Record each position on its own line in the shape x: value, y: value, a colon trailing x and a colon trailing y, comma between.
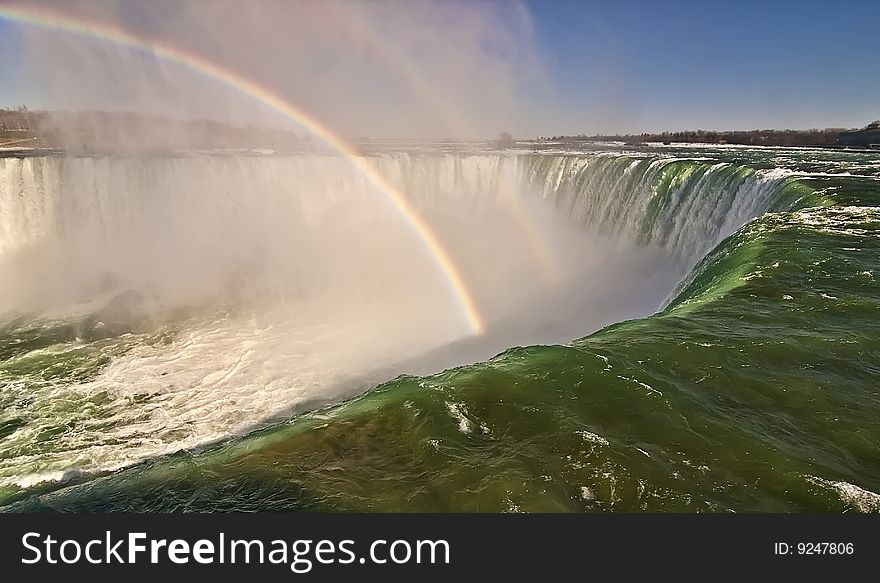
x: 860, y: 498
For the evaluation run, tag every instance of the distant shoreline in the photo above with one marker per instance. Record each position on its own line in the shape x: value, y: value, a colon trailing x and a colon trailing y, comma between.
x: 102, y: 132
x: 814, y: 138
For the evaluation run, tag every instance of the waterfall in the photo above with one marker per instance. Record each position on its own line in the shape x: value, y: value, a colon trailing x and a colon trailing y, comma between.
x: 196, y: 297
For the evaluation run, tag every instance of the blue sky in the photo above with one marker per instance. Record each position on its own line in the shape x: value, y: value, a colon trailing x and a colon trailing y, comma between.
x: 721, y: 65
x: 10, y: 55
x: 629, y: 66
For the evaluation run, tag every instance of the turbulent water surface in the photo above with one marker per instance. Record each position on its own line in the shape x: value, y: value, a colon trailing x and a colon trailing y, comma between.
x: 670, y: 328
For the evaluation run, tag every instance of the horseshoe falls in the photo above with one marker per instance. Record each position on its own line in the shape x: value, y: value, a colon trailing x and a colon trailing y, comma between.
x: 676, y: 328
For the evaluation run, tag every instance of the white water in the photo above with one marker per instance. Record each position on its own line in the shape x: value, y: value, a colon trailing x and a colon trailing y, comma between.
x: 303, y: 286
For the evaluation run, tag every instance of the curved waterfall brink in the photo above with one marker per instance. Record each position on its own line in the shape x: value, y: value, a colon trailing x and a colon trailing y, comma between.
x: 164, y: 303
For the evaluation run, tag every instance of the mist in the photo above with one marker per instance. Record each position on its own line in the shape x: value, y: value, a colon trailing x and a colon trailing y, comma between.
x: 244, y: 232
x: 421, y: 69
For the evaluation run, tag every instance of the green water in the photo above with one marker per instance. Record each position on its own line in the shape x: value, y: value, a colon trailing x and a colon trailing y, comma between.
x: 756, y: 388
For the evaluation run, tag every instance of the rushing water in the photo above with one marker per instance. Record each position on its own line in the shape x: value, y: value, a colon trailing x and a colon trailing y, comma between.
x: 677, y: 328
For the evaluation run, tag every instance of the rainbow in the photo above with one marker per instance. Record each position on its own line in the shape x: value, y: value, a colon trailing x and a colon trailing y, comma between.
x: 55, y: 20
x: 406, y: 70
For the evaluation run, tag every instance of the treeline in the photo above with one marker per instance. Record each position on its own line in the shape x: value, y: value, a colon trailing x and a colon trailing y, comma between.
x: 20, y: 118
x: 103, y: 131
x: 811, y: 137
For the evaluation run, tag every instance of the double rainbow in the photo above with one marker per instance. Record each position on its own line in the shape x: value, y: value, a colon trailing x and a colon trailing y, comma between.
x: 56, y: 20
